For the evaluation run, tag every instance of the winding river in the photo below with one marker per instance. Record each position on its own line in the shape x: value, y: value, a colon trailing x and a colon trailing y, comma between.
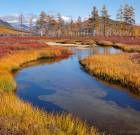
x: 64, y: 86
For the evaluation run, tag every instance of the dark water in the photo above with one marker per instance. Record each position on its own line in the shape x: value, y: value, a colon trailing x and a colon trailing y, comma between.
x: 64, y: 86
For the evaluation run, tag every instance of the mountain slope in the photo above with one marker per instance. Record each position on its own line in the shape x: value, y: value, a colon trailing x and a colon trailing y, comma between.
x: 6, y: 24
x: 6, y: 28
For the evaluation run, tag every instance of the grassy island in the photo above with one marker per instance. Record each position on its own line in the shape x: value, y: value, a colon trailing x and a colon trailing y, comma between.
x: 118, y: 69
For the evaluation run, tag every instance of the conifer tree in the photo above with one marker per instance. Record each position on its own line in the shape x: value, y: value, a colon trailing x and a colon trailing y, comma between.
x: 105, y: 19
x: 95, y: 19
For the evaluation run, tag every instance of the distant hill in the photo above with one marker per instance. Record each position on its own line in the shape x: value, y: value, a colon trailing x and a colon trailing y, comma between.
x: 5, y: 24
x: 6, y: 28
x: 18, y: 27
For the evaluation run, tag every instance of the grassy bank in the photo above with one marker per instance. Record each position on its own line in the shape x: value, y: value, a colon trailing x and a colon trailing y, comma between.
x: 19, y: 118
x: 128, y: 44
x: 124, y: 47
x: 116, y: 68
x: 14, y: 61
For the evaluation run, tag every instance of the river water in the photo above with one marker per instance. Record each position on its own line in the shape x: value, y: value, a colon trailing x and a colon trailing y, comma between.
x: 64, y: 86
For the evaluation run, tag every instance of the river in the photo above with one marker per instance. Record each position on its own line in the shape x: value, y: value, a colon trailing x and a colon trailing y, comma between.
x: 64, y: 86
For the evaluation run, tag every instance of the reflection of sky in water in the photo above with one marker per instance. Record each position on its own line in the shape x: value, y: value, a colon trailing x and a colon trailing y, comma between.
x: 65, y: 86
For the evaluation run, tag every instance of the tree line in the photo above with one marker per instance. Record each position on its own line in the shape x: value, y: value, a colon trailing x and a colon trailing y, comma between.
x: 99, y: 23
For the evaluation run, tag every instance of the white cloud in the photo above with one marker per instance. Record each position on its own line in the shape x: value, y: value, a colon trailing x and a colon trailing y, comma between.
x: 14, y: 18
x: 66, y: 18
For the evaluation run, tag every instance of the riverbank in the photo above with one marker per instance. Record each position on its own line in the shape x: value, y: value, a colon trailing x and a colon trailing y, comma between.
x: 127, y: 44
x: 17, y: 117
x: 68, y: 45
x: 13, y: 62
x: 115, y: 68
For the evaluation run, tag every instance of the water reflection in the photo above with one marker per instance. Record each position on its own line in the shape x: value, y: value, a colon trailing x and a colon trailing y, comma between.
x: 94, y: 50
x: 64, y: 86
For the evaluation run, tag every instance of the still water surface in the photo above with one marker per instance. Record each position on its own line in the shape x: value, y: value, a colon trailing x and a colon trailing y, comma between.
x: 58, y: 86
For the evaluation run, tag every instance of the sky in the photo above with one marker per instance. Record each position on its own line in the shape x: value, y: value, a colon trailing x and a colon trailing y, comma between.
x: 73, y: 8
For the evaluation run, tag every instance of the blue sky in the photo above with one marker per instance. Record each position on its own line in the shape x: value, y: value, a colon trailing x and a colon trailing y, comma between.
x: 72, y: 8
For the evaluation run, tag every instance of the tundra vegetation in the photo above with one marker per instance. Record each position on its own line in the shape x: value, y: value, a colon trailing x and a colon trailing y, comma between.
x: 18, y: 117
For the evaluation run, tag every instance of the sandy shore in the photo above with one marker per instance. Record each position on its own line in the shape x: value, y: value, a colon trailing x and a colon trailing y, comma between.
x: 69, y: 45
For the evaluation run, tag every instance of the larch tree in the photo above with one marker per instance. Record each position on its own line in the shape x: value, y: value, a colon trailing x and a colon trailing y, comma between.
x: 105, y: 19
x: 60, y: 24
x: 71, y: 27
x: 42, y: 23
x: 129, y: 14
x: 120, y: 23
x: 53, y: 25
x: 129, y: 18
x: 21, y: 20
x: 79, y: 25
x: 31, y: 23
x: 95, y: 19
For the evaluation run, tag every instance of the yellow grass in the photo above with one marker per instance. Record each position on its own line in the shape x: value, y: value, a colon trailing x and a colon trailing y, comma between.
x: 128, y: 48
x: 7, y: 82
x: 124, y: 47
x: 14, y: 61
x: 18, y: 117
x: 115, y: 68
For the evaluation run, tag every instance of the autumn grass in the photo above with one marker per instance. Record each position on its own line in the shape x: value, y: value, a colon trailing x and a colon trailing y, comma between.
x: 127, y: 48
x: 124, y: 47
x: 20, y: 118
x: 7, y: 82
x: 12, y: 62
x: 17, y: 117
x: 116, y: 68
